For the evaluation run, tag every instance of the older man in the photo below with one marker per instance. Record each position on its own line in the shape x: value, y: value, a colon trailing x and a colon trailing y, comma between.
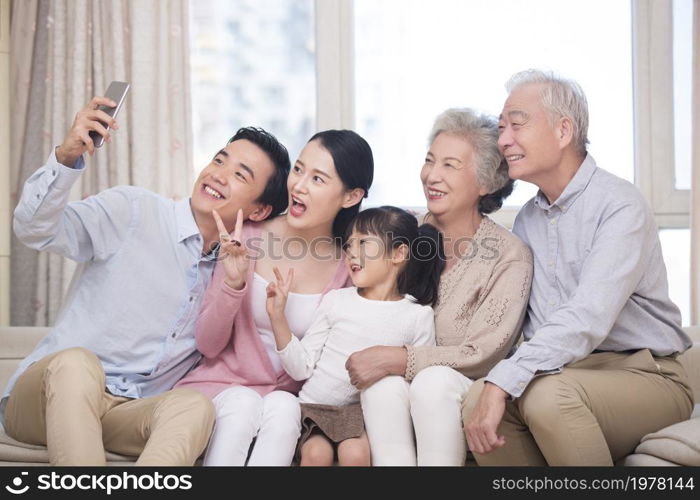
x: 597, y: 370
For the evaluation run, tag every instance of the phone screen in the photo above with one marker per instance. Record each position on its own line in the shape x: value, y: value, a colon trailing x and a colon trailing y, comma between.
x: 117, y: 92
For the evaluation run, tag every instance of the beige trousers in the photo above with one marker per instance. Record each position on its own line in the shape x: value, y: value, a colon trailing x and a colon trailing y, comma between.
x: 61, y: 402
x: 592, y: 413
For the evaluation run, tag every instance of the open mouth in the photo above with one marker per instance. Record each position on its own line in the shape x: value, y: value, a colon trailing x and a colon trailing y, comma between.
x: 355, y: 268
x: 211, y: 192
x: 298, y: 208
x: 435, y: 194
x: 513, y: 158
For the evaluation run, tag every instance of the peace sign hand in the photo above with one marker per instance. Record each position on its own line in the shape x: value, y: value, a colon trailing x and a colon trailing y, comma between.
x: 277, y: 293
x: 232, y: 254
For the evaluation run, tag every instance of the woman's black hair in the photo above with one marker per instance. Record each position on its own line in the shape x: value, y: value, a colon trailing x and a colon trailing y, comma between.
x: 353, y: 160
x: 420, y: 277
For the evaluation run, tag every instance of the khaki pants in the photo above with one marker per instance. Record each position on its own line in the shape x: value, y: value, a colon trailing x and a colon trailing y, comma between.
x: 592, y: 413
x: 61, y: 402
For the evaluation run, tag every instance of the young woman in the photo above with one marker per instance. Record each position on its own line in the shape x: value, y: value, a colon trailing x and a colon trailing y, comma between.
x: 241, y: 370
x: 482, y: 299
x: 395, y: 268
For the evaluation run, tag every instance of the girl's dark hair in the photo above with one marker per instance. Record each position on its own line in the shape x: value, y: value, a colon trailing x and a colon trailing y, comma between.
x: 493, y: 201
x: 420, y: 276
x: 354, y: 163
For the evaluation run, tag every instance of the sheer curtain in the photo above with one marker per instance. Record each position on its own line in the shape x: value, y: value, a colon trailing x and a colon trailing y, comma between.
x: 695, y: 188
x: 62, y: 53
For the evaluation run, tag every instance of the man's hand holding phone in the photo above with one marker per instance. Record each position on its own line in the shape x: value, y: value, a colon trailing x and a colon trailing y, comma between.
x: 91, y: 125
x: 78, y: 140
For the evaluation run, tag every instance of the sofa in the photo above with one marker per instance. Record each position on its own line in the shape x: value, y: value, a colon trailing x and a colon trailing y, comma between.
x: 677, y: 444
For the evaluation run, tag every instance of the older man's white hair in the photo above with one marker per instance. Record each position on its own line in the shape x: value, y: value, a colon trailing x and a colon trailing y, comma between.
x: 482, y: 133
x: 561, y: 98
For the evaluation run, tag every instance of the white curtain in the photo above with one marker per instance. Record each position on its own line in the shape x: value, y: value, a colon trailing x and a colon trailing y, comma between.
x: 695, y: 188
x: 63, y: 52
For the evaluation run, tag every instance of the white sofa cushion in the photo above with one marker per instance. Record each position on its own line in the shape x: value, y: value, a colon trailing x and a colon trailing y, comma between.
x: 678, y: 443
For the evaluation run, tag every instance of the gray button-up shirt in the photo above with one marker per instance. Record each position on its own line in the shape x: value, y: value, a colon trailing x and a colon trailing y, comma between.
x: 599, y: 279
x: 144, y: 276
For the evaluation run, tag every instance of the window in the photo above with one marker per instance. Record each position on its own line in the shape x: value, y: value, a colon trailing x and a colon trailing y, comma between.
x: 387, y: 68
x: 253, y: 63
x: 662, y: 54
x: 676, y: 242
x: 413, y: 59
x: 682, y: 67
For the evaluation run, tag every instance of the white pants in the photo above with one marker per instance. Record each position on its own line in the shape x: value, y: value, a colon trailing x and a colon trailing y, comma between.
x: 274, y: 421
x: 431, y: 405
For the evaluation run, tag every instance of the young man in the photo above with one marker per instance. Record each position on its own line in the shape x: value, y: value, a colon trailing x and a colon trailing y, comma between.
x: 597, y: 370
x: 101, y: 378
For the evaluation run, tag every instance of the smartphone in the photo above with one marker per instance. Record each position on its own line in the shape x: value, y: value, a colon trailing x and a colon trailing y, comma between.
x: 117, y: 92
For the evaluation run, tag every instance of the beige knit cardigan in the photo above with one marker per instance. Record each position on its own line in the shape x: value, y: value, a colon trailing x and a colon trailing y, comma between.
x: 481, y: 305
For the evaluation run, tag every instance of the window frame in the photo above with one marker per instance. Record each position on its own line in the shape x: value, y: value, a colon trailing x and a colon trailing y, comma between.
x: 335, y: 68
x: 652, y: 80
x: 652, y: 68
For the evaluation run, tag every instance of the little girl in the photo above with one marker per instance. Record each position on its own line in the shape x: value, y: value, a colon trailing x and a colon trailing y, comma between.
x: 395, y: 268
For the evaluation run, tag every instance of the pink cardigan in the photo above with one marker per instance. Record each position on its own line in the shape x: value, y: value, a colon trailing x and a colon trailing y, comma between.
x: 226, y: 335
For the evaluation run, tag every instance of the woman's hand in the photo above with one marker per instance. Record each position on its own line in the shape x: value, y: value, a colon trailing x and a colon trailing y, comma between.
x: 370, y: 365
x: 277, y: 293
x: 232, y: 253
x: 89, y: 119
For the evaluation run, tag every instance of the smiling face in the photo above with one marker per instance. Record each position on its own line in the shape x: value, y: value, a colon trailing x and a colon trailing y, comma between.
x: 367, y: 260
x: 450, y: 183
x: 316, y: 191
x: 235, y: 178
x: 531, y: 144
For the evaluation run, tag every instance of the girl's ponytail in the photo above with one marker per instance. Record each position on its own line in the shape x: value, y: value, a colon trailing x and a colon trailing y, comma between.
x: 426, y: 262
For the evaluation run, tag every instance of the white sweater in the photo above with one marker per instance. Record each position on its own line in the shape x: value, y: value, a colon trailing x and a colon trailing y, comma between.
x: 344, y: 323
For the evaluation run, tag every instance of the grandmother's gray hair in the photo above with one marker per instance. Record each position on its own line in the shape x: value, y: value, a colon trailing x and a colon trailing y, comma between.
x: 561, y: 98
x: 481, y: 131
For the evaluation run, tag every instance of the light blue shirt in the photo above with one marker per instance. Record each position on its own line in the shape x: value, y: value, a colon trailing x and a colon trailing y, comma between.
x: 599, y: 279
x: 144, y: 276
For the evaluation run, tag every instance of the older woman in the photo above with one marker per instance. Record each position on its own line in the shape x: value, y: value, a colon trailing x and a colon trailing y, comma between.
x: 482, y: 300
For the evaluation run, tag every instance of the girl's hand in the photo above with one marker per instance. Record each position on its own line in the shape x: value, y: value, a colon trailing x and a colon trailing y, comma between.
x: 277, y: 293
x: 232, y: 254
